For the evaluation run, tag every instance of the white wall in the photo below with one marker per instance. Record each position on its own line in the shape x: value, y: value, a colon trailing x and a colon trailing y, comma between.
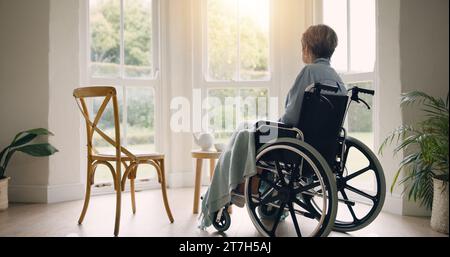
x: 64, y: 118
x: 38, y: 71
x: 389, y: 90
x: 177, y: 67
x: 24, y: 90
x: 424, y: 59
x: 412, y: 55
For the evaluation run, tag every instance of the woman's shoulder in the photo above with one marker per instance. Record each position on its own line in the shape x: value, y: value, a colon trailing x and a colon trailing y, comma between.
x: 320, y: 70
x: 312, y: 67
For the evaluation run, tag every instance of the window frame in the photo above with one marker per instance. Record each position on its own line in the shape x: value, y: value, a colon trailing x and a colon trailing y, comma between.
x: 201, y: 60
x: 234, y: 81
x: 122, y: 82
x: 350, y: 77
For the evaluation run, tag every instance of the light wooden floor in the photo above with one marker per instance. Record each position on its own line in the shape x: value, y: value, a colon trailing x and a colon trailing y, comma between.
x: 150, y: 220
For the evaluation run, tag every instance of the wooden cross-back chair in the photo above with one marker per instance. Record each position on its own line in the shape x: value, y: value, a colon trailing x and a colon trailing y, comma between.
x: 121, y: 156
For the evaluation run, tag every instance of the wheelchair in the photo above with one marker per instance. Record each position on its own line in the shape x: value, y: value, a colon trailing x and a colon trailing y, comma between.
x: 305, y: 183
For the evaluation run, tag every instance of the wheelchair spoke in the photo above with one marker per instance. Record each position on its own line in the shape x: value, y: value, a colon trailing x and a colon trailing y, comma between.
x: 266, y: 167
x: 270, y: 183
x: 267, y: 192
x: 346, y: 154
x: 269, y: 199
x: 277, y: 219
x: 350, y: 208
x: 294, y: 219
x: 280, y: 173
x: 359, y: 172
x: 306, y: 188
x: 359, y: 192
x: 301, y: 204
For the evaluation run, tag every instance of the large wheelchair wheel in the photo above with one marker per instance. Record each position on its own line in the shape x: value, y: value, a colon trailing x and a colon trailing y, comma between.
x: 361, y: 187
x: 289, y: 172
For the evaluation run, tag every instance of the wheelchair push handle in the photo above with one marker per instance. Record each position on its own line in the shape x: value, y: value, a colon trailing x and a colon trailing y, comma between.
x: 356, y: 91
x: 364, y: 91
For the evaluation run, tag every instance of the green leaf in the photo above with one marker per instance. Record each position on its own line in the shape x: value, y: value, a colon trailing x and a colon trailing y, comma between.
x: 38, y: 149
x: 23, y: 140
x: 3, y: 153
x: 7, y: 158
x: 36, y: 131
x: 397, y: 174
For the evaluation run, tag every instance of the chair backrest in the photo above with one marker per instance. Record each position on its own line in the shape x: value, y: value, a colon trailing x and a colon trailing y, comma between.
x: 321, y: 120
x: 108, y: 94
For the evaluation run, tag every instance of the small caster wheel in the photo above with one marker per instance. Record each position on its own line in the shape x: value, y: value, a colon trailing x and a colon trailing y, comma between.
x: 223, y: 222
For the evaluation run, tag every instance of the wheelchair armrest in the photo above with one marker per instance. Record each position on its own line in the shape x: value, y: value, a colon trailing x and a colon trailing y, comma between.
x: 265, y: 127
x: 272, y: 123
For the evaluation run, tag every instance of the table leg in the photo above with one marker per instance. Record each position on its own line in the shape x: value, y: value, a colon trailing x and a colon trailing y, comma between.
x: 198, y: 178
x: 212, y: 165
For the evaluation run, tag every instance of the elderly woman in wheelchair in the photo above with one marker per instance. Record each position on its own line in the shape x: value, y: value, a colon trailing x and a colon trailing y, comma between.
x: 298, y: 181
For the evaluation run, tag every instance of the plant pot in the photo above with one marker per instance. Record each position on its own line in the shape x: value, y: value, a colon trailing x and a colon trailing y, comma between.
x: 4, y: 194
x: 439, y: 213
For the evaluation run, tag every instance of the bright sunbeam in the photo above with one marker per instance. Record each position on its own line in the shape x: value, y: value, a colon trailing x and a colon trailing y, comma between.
x: 257, y: 10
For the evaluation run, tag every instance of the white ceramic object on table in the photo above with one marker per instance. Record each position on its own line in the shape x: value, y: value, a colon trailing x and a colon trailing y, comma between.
x: 219, y: 147
x: 204, y: 140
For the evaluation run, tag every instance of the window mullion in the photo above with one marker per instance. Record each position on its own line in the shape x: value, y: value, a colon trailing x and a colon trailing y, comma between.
x: 156, y: 39
x: 349, y: 33
x: 122, y: 74
x: 122, y: 40
x: 238, y: 28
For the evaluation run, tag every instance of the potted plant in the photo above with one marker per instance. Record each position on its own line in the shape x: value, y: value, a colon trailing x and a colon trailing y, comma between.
x: 21, y: 143
x: 425, y: 147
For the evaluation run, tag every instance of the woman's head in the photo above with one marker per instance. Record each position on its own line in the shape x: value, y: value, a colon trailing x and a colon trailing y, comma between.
x: 318, y: 41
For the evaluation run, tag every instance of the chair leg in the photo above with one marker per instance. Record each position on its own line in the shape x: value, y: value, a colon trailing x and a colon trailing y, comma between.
x: 132, y: 191
x: 88, y: 193
x: 198, y: 178
x: 163, y: 189
x: 118, y: 204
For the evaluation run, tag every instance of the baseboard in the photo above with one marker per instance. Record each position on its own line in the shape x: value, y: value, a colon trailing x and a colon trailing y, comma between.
x: 45, y: 193
x: 64, y: 193
x: 185, y: 179
x: 393, y: 203
x: 27, y: 193
x: 138, y: 187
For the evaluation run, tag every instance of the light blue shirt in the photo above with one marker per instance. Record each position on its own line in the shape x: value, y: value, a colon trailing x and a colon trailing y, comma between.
x: 319, y: 71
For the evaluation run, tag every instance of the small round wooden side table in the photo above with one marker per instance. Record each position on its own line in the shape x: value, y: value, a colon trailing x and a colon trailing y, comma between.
x: 200, y: 155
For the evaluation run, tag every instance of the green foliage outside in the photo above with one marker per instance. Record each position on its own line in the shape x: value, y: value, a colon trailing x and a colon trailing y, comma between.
x: 225, y: 32
x: 140, y: 120
x: 105, y: 37
x: 359, y: 118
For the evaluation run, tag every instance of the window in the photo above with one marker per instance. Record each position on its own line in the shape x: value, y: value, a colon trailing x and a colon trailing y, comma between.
x: 355, y: 23
x: 122, y: 40
x: 237, y: 62
x: 123, y: 45
x: 231, y: 106
x: 238, y: 40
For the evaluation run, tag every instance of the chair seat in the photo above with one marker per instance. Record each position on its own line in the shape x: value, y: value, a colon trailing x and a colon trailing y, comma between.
x: 141, y: 157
